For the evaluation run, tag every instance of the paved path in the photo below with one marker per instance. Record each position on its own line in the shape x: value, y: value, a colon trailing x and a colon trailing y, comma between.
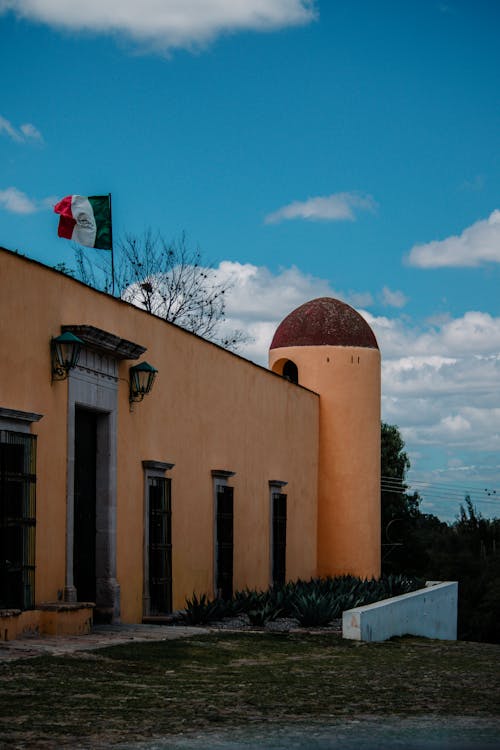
x: 365, y: 733
x: 100, y: 637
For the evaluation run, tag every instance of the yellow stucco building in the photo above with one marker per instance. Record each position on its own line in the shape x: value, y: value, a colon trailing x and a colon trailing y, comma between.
x: 225, y: 475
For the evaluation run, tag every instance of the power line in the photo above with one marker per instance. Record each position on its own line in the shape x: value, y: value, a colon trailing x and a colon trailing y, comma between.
x: 447, y: 485
x: 440, y: 491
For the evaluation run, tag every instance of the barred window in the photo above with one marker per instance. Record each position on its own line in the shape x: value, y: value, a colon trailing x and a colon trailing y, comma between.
x: 17, y: 520
x: 279, y: 539
x: 160, y: 545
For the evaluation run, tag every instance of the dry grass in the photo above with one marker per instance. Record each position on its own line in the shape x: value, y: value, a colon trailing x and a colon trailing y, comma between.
x: 228, y: 680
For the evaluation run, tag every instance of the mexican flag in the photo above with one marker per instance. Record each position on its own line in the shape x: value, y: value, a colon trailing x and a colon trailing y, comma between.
x: 86, y: 220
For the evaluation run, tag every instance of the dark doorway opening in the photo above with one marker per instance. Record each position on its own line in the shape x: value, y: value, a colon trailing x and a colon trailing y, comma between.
x: 84, y: 539
x: 224, y: 542
x: 160, y: 545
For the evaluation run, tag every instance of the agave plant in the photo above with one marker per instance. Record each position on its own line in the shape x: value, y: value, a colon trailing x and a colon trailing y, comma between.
x: 265, y: 613
x: 202, y: 610
x: 315, y: 609
x: 248, y: 600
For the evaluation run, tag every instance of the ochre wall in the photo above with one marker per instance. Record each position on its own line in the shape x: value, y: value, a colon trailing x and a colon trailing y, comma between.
x: 347, y: 380
x: 208, y: 410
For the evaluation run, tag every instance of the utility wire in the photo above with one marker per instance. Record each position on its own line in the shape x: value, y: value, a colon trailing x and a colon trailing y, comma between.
x: 445, y: 492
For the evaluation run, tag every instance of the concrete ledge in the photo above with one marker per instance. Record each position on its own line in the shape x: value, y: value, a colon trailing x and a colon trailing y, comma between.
x: 65, y: 606
x: 429, y: 612
x: 15, y: 623
x: 50, y: 618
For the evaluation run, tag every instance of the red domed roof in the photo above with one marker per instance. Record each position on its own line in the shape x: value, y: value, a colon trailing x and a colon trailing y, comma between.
x: 324, y: 322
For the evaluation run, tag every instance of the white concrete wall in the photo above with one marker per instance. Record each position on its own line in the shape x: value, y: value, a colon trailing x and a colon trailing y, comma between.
x: 429, y: 612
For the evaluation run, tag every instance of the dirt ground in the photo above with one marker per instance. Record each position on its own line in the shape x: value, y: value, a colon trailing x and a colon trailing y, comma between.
x: 156, y: 688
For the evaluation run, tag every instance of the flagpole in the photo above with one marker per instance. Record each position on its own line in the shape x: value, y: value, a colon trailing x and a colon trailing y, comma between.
x: 112, y: 253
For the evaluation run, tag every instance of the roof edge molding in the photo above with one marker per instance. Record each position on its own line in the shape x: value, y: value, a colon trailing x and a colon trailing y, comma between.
x: 105, y: 342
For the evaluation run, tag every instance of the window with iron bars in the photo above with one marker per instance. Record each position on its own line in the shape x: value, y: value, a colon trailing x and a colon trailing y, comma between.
x: 17, y: 520
x: 279, y: 501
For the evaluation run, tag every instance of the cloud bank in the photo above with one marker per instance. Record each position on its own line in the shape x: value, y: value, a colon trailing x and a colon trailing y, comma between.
x: 166, y: 23
x: 477, y: 245
x: 335, y: 207
x: 439, y: 379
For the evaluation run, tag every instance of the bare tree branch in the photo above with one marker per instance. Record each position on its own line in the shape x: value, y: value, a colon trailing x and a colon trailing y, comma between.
x: 168, y: 279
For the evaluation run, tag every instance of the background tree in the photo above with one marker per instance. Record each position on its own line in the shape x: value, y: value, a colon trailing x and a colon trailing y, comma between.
x: 420, y: 544
x: 168, y: 279
x: 398, y: 507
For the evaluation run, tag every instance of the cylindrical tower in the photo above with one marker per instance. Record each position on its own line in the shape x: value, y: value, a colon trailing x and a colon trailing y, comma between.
x: 326, y: 346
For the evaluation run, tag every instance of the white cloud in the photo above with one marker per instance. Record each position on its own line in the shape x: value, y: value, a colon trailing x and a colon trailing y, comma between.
x: 259, y: 300
x: 439, y: 379
x: 7, y: 128
x: 360, y: 299
x: 391, y: 298
x: 440, y: 385
x: 17, y: 202
x: 24, y: 133
x: 260, y: 293
x: 477, y: 245
x: 335, y: 207
x: 475, y: 333
x: 30, y: 132
x: 166, y: 24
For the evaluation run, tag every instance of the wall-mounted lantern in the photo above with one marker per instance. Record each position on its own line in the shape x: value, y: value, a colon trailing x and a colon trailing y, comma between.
x: 65, y: 350
x: 142, y: 377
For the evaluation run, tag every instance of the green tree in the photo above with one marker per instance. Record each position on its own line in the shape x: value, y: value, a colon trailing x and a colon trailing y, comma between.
x: 420, y: 544
x: 399, y: 508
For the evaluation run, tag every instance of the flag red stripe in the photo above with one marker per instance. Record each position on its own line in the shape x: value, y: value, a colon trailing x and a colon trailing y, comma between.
x: 64, y: 208
x: 66, y: 226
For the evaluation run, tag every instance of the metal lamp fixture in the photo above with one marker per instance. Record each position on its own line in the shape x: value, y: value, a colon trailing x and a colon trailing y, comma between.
x: 65, y: 350
x: 142, y: 377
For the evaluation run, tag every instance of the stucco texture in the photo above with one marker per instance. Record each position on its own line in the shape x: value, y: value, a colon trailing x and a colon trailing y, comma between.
x: 209, y: 409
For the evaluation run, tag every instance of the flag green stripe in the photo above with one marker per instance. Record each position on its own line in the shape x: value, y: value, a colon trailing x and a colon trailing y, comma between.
x: 102, y: 214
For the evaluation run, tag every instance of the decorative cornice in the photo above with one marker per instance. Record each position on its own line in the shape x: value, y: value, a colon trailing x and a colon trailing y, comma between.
x: 222, y: 473
x: 277, y: 483
x: 157, y: 466
x: 105, y: 342
x: 19, y: 416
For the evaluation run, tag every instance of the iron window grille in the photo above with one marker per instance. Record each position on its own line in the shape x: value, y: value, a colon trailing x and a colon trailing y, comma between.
x: 160, y: 545
x: 279, y: 539
x: 17, y: 520
x: 225, y: 544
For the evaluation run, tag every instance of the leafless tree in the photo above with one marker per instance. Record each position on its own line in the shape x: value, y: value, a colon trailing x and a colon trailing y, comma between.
x: 168, y: 279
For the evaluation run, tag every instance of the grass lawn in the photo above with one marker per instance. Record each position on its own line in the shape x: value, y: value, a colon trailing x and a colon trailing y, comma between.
x: 134, y: 692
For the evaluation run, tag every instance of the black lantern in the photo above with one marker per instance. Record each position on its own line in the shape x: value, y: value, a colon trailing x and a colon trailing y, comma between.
x: 142, y: 377
x: 65, y: 350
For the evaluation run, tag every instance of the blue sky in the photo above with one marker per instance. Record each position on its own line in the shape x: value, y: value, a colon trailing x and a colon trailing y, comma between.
x: 309, y: 148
